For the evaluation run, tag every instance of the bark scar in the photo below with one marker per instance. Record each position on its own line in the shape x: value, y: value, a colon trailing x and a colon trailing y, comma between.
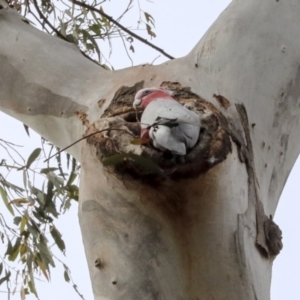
x: 268, y: 234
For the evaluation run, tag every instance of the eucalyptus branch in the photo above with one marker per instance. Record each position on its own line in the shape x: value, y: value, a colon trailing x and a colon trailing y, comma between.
x: 103, y: 14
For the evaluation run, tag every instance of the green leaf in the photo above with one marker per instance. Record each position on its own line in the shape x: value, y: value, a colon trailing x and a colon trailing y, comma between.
x: 73, y: 192
x: 31, y: 284
x: 70, y: 37
x: 15, y: 250
x: 88, y: 36
x: 149, y: 30
x: 33, y: 156
x: 23, y: 250
x: 149, y: 18
x: 29, y: 261
x: 25, y: 181
x: 33, y: 230
x: 66, y: 276
x: 56, y: 235
x: 41, y: 216
x: 5, y: 200
x: 68, y: 13
x: 49, y: 195
x: 47, y: 170
x: 9, y: 248
x: 23, y: 223
x: 89, y: 46
x: 14, y: 187
x: 68, y: 156
x: 26, y: 129
x: 17, y: 220
x: 56, y: 180
x: 58, y: 158
x: 42, y: 266
x: 63, y: 28
x: 45, y: 253
x: 96, y: 28
x: 66, y: 205
x: 71, y: 178
x: 49, y: 204
x: 131, y: 48
x: 76, y: 289
x: 5, y: 278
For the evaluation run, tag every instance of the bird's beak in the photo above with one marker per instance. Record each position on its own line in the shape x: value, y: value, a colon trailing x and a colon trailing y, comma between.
x: 136, y: 103
x: 145, y: 133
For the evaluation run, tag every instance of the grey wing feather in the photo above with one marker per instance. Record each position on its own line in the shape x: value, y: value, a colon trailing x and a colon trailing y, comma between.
x: 163, y: 139
x: 183, y: 124
x: 160, y: 110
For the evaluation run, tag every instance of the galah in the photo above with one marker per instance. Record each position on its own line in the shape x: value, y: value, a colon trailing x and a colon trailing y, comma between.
x: 168, y: 124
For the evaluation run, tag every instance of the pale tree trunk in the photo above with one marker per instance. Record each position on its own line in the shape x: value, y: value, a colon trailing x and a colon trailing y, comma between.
x: 206, y: 237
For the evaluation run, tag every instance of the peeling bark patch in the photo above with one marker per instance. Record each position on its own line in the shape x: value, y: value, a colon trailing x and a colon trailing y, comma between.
x: 289, y: 99
x: 82, y: 116
x: 284, y: 141
x: 101, y: 102
x: 268, y: 235
x: 222, y: 101
x: 273, y: 182
x: 213, y: 145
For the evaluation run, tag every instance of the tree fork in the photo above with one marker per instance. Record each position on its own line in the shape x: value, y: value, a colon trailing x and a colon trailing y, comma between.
x: 188, y: 238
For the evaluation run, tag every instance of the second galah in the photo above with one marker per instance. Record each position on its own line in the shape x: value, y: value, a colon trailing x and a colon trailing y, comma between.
x: 168, y: 124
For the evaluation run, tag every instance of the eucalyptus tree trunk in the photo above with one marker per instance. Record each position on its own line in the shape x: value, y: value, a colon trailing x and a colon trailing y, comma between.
x: 156, y: 227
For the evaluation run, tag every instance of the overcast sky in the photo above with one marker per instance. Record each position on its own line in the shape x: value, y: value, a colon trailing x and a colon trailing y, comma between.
x: 179, y: 25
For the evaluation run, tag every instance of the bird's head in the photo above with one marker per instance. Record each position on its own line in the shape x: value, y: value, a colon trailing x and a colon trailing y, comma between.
x: 144, y: 96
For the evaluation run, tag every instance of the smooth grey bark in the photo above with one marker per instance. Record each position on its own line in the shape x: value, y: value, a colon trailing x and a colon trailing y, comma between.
x: 137, y: 245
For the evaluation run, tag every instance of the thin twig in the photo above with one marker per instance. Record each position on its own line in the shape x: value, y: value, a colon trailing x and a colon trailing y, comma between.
x: 128, y: 55
x: 125, y: 11
x: 155, y: 59
x: 103, y: 14
x: 85, y: 137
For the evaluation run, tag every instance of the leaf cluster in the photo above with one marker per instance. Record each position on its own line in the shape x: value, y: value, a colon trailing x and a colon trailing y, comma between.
x: 46, y: 193
x: 86, y: 24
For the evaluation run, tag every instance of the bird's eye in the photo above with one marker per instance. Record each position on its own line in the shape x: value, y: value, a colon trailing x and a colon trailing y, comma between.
x: 147, y: 92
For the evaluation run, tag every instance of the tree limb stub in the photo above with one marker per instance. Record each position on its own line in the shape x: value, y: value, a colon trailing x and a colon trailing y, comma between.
x: 212, y: 148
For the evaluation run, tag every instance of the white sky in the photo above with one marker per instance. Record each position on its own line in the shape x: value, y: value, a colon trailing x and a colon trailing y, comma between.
x: 179, y: 25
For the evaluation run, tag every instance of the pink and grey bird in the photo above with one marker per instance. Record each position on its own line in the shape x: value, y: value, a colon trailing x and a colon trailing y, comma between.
x: 168, y: 124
